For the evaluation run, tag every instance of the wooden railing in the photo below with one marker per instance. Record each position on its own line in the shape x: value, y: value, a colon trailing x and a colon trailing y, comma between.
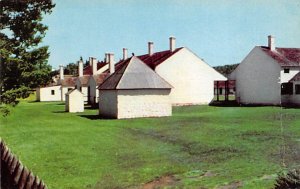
x: 13, y: 174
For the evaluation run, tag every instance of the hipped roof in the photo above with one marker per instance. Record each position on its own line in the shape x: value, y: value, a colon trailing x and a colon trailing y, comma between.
x: 134, y: 74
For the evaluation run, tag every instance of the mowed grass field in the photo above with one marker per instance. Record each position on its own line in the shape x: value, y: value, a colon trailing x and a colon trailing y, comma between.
x: 198, y: 147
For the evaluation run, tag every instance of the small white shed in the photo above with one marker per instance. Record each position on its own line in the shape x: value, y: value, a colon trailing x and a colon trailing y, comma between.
x: 134, y: 90
x: 74, y: 101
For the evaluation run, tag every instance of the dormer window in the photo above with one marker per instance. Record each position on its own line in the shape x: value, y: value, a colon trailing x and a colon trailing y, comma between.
x: 286, y: 70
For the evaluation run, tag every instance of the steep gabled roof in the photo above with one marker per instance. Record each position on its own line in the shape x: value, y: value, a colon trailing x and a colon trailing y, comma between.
x: 134, y: 74
x: 73, y: 90
x: 284, y: 56
x: 88, y: 70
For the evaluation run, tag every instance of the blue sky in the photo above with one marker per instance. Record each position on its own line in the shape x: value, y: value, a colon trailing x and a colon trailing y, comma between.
x: 219, y: 31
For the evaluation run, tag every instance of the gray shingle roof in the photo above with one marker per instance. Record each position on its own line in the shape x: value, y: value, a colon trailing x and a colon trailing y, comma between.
x: 134, y: 74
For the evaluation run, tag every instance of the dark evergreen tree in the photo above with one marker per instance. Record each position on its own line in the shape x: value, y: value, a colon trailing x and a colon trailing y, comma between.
x: 23, y: 63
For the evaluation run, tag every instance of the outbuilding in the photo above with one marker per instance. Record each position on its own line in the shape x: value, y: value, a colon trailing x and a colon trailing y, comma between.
x: 134, y: 90
x: 74, y: 101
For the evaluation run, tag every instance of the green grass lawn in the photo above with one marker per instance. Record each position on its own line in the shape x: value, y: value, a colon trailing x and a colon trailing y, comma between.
x: 232, y: 144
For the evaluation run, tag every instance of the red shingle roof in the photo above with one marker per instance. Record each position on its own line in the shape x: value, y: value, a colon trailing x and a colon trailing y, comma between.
x: 231, y: 84
x: 100, y: 78
x: 84, y: 80
x: 284, y: 56
x: 88, y: 70
x: 157, y: 58
x: 152, y: 61
x: 68, y: 81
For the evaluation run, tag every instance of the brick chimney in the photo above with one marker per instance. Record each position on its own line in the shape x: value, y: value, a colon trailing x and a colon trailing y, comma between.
x: 80, y: 68
x: 94, y: 65
x: 150, y: 48
x: 61, y: 72
x: 125, y: 54
x: 172, y: 43
x: 271, y: 42
x: 111, y: 63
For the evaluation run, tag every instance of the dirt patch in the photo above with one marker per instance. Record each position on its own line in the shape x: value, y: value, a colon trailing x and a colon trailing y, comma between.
x: 161, y: 182
x: 233, y: 185
x: 196, y: 150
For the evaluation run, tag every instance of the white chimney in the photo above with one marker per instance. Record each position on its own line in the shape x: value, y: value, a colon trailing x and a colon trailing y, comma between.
x: 90, y: 60
x: 111, y: 63
x: 150, y: 48
x: 172, y: 43
x: 106, y: 57
x: 80, y: 68
x: 61, y: 72
x: 94, y: 66
x: 271, y: 42
x: 125, y: 54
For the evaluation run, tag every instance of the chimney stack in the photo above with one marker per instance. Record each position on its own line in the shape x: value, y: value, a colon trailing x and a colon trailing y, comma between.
x: 80, y: 68
x: 94, y: 65
x: 106, y: 58
x: 111, y: 63
x: 172, y: 43
x: 271, y: 42
x: 61, y: 72
x: 150, y: 48
x: 125, y: 54
x: 90, y: 60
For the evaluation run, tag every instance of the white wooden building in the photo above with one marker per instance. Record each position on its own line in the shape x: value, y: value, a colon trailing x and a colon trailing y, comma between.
x: 49, y: 93
x: 93, y: 83
x: 56, y: 91
x: 74, y: 101
x: 268, y: 75
x: 134, y: 90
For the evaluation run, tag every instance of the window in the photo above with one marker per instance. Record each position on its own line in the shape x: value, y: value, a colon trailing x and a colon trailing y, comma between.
x: 286, y: 70
x: 52, y: 92
x: 287, y: 88
x: 297, y: 89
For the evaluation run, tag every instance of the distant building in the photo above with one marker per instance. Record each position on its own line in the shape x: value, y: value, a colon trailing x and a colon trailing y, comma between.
x: 269, y: 75
x: 74, y: 101
x: 134, y: 90
x: 56, y: 91
x: 82, y: 81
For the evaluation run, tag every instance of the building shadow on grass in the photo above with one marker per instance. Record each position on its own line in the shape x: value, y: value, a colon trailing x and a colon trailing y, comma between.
x: 96, y: 117
x: 59, y: 112
x: 231, y: 103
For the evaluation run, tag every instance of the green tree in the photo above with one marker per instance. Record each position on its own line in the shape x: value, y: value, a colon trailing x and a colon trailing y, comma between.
x: 71, y: 69
x: 23, y: 63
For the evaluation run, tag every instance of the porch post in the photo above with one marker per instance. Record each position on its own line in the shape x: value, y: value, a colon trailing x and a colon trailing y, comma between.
x: 217, y: 90
x: 226, y: 90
